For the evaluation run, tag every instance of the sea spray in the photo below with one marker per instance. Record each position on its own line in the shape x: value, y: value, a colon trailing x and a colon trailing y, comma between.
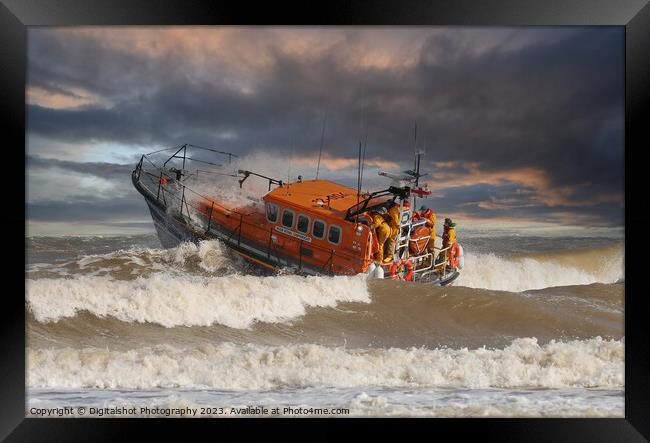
x: 592, y: 363
x: 233, y: 300
x: 537, y: 271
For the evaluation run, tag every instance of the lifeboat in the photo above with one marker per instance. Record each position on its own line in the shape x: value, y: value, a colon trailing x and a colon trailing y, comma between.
x: 307, y: 227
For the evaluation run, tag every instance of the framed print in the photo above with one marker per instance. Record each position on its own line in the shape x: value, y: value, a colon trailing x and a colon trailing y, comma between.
x: 404, y: 211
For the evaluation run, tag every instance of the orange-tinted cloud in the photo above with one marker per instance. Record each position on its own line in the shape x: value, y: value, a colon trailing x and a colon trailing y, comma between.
x: 338, y: 163
x: 249, y: 49
x: 536, y: 186
x: 73, y: 98
x: 455, y: 174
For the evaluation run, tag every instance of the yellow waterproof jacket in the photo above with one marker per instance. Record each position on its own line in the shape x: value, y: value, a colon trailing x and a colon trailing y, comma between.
x: 380, y: 226
x: 394, y: 217
x: 452, y: 236
x: 448, y: 236
x: 377, y: 219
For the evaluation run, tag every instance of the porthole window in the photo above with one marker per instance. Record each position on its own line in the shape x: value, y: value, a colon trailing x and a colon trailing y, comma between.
x: 287, y: 218
x: 334, y: 235
x: 303, y: 223
x: 318, y: 230
x: 272, y: 212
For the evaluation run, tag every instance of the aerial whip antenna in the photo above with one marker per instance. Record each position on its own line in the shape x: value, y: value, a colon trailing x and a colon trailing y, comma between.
x: 416, y: 163
x: 358, y: 183
x: 289, y: 167
x: 415, y: 146
x: 363, y: 158
x: 320, y: 151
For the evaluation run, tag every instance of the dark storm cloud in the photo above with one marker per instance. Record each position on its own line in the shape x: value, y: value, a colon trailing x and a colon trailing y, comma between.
x: 488, y: 201
x: 100, y: 169
x: 86, y: 210
x: 554, y: 103
x: 112, y: 207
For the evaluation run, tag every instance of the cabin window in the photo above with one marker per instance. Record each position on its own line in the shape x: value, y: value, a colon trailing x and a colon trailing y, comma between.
x: 318, y: 229
x: 303, y: 223
x: 287, y: 218
x: 334, y: 235
x: 272, y: 212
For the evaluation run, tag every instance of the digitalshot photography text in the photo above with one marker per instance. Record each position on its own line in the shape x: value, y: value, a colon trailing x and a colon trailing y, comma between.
x: 184, y: 412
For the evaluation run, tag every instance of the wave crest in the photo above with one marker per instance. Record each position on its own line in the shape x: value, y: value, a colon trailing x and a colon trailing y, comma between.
x: 592, y: 363
x: 543, y: 270
x: 233, y: 300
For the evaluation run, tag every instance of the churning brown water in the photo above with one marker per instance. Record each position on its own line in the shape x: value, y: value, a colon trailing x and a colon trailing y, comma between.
x: 527, y: 313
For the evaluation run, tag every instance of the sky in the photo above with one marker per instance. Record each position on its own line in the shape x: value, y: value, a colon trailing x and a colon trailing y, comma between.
x: 521, y: 127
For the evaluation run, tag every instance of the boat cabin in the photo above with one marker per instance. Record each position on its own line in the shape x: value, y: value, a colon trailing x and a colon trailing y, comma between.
x: 309, y: 227
x: 307, y: 222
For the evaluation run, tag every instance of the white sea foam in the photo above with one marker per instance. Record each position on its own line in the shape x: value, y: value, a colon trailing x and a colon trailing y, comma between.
x: 363, y: 402
x: 592, y: 363
x: 488, y: 271
x: 210, y: 256
x: 492, y: 403
x: 233, y: 300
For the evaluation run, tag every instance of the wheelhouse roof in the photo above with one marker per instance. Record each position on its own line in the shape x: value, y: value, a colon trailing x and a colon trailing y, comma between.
x: 305, y: 194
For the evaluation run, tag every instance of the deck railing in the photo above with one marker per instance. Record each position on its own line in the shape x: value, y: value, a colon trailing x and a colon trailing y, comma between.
x: 202, y: 223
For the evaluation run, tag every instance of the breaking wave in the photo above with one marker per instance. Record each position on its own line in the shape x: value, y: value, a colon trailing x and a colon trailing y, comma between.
x: 233, y: 300
x: 592, y: 363
x: 482, y: 271
x: 198, y: 286
x: 207, y: 258
x: 543, y: 270
x: 535, y: 334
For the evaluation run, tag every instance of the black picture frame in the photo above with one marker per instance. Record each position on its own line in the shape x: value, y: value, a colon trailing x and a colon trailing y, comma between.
x: 634, y: 15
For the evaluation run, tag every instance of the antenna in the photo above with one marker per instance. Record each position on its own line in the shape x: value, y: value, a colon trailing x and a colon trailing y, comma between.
x: 358, y: 183
x: 416, y: 166
x: 320, y: 151
x: 362, y: 161
x: 415, y: 146
x: 363, y: 157
x: 289, y: 166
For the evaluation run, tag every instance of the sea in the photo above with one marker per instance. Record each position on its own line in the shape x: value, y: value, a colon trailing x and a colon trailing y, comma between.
x: 118, y: 326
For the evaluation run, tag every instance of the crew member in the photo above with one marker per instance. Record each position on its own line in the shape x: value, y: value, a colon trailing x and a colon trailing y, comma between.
x: 448, y: 236
x: 393, y: 222
x: 430, y: 217
x: 449, y: 233
x: 382, y: 231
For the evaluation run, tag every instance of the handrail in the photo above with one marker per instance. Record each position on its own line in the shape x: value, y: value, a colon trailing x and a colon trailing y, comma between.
x: 227, y: 211
x: 364, y: 203
x: 190, y: 189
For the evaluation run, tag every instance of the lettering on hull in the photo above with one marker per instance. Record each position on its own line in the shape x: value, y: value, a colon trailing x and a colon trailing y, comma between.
x: 297, y: 235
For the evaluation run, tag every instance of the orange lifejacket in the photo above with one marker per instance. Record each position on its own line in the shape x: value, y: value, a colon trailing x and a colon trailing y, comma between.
x: 420, y: 239
x: 430, y: 216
